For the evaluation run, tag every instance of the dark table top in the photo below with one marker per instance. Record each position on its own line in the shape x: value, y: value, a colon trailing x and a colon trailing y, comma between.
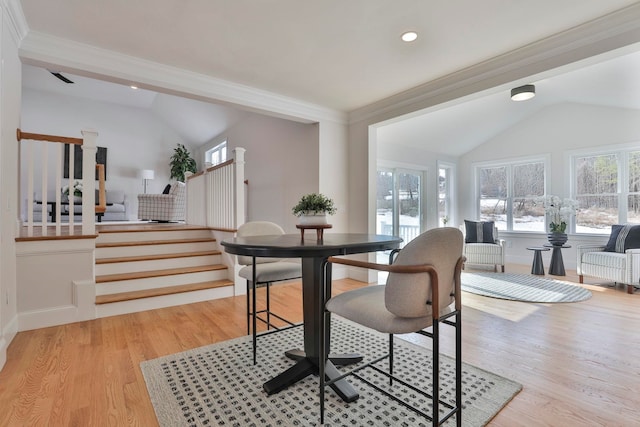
x: 291, y: 245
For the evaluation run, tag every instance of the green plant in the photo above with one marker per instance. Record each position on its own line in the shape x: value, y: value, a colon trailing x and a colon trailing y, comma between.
x: 314, y: 203
x: 77, y: 189
x: 181, y: 162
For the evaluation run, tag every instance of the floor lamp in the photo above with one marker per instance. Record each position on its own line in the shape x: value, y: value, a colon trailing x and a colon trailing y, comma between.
x: 147, y: 174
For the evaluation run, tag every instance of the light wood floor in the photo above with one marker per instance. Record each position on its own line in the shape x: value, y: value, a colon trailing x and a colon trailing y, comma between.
x: 578, y: 363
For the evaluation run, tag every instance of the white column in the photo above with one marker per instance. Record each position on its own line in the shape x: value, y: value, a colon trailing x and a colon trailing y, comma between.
x: 89, y: 150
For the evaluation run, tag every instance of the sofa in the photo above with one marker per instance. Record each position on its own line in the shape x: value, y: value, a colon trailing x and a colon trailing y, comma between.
x: 117, y: 207
x: 617, y: 261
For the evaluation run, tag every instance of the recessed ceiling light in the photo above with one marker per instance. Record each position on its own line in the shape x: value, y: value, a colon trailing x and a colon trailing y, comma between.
x: 409, y: 36
x: 133, y: 87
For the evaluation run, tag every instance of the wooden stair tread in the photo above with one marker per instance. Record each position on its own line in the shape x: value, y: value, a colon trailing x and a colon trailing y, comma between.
x: 170, y: 290
x: 153, y: 242
x: 158, y: 273
x: 144, y: 228
x: 156, y: 257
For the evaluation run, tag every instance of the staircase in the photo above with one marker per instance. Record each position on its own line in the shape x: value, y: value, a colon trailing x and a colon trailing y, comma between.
x: 147, y: 267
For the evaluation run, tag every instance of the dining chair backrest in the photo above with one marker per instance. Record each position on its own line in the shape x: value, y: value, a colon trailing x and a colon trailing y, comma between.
x: 406, y: 295
x: 258, y: 228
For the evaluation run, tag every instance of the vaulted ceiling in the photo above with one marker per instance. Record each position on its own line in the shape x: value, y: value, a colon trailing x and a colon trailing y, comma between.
x: 340, y: 54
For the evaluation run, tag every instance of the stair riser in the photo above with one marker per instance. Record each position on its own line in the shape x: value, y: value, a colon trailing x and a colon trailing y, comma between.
x: 153, y: 235
x: 108, y: 288
x: 125, y: 251
x: 133, y: 306
x: 159, y: 264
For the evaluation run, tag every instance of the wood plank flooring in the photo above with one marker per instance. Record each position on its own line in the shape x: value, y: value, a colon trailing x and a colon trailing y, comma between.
x: 578, y: 363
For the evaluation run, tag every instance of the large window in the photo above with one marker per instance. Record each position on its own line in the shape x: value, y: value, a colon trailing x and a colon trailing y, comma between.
x: 607, y: 188
x: 508, y: 193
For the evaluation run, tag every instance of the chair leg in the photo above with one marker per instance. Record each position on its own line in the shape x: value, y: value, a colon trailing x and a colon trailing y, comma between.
x: 459, y: 369
x: 255, y: 337
x: 435, y: 392
x: 268, y: 286
x: 390, y: 359
x: 248, y: 309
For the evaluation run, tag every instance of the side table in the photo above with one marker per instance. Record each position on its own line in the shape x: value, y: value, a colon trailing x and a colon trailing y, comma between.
x: 538, y: 266
x: 557, y: 264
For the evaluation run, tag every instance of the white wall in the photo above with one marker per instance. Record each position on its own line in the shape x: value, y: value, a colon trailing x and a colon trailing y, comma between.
x: 10, y: 82
x: 281, y: 165
x: 134, y: 137
x: 556, y: 131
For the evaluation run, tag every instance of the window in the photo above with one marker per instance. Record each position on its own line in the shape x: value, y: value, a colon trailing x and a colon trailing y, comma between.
x: 446, y: 174
x: 607, y: 188
x: 509, y: 193
x: 217, y: 154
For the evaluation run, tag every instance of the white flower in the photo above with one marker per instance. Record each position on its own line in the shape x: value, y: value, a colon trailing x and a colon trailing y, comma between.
x: 559, y: 212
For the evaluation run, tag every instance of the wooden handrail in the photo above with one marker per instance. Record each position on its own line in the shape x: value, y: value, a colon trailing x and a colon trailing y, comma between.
x: 51, y: 138
x: 101, y: 207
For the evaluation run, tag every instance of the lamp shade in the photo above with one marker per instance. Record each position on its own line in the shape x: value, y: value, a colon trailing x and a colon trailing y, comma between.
x: 147, y: 174
x: 523, y: 93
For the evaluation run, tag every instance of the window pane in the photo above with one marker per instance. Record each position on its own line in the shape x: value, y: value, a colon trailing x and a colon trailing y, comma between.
x: 633, y: 209
x: 493, y: 195
x: 634, y: 172
x: 384, y: 203
x: 444, y: 207
x: 528, y: 215
x: 596, y: 214
x: 597, y: 175
x: 528, y: 185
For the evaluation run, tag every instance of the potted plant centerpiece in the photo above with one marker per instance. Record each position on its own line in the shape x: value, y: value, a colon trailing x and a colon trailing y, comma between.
x: 77, y: 191
x: 559, y: 212
x: 181, y: 162
x: 312, y: 209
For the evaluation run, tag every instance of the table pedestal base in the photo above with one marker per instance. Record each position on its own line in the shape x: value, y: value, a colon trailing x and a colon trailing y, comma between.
x: 306, y: 366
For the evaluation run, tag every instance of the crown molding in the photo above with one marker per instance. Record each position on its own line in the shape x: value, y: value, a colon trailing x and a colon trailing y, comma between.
x: 604, y: 34
x: 66, y: 55
x: 18, y: 23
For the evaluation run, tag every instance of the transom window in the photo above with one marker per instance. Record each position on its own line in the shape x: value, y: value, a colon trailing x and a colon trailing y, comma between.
x: 508, y: 193
x: 607, y: 188
x: 217, y: 154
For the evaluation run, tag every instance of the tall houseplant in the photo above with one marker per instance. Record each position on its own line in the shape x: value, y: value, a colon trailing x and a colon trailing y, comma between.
x: 181, y: 162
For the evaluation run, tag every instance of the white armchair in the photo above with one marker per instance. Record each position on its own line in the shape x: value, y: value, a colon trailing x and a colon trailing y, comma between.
x: 614, y: 266
x: 485, y: 253
x: 164, y: 207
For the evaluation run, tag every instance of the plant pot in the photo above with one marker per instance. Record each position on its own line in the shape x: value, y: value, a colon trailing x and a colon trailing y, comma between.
x: 313, y: 219
x: 557, y: 239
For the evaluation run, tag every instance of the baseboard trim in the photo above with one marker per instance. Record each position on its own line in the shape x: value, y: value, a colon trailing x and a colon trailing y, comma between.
x: 53, y: 316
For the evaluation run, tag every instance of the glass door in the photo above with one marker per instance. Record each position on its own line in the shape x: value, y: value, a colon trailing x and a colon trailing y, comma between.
x: 398, y: 205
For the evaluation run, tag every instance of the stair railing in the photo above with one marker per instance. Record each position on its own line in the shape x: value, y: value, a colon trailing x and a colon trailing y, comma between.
x: 55, y: 144
x: 216, y: 196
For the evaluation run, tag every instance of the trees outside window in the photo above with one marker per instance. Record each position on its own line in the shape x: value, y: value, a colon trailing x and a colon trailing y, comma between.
x: 509, y: 195
x: 607, y: 188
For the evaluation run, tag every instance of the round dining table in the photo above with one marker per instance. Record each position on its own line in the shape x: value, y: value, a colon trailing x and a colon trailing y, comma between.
x: 316, y: 280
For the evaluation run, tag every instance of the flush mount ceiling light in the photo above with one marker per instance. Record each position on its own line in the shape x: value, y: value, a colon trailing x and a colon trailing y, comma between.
x: 523, y: 93
x: 409, y: 36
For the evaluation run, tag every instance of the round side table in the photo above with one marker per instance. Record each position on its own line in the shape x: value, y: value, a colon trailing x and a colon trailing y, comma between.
x: 538, y: 266
x: 556, y: 267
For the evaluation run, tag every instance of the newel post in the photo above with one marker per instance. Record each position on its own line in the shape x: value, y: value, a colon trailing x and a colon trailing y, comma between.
x: 239, y: 187
x: 89, y: 149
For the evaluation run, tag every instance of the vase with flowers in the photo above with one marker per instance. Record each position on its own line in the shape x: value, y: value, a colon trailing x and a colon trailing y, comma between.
x: 77, y: 190
x: 559, y: 212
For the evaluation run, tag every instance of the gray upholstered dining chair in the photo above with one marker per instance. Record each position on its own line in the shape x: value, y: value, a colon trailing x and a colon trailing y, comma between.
x: 422, y: 291
x: 264, y: 271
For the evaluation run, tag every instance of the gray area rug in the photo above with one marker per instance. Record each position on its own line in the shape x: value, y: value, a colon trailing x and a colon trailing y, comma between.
x: 523, y: 287
x: 217, y: 385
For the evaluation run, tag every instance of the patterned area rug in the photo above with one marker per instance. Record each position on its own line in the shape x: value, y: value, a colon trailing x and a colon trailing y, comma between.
x: 218, y: 385
x: 523, y: 287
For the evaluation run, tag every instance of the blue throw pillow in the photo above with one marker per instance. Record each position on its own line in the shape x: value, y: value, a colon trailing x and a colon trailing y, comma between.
x: 479, y: 232
x: 623, y: 237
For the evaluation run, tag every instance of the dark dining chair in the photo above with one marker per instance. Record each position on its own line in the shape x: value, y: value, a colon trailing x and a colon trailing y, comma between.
x: 264, y: 271
x: 422, y: 291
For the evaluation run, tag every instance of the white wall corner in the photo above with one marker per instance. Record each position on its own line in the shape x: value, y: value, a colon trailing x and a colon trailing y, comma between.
x: 84, y: 298
x: 3, y: 352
